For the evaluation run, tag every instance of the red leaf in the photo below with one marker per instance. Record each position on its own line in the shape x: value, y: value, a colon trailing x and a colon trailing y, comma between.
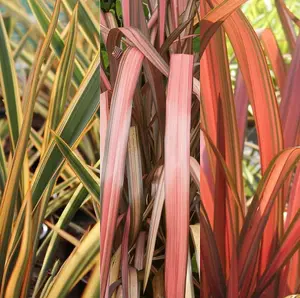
x: 271, y: 47
x: 241, y: 106
x: 261, y: 208
x: 290, y: 107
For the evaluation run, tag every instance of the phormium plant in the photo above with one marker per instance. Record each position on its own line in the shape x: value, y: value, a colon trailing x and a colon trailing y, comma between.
x: 249, y: 246
x: 149, y: 140
x: 49, y: 149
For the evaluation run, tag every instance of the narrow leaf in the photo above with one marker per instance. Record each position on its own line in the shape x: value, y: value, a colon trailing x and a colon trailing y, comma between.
x: 177, y: 154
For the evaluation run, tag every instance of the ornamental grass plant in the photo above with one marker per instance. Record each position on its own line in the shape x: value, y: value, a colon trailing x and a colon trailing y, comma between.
x: 49, y: 149
x: 149, y: 147
x: 250, y: 191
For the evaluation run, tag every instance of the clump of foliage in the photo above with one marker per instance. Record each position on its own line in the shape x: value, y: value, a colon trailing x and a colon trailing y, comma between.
x: 149, y: 140
x: 49, y: 149
x: 249, y: 235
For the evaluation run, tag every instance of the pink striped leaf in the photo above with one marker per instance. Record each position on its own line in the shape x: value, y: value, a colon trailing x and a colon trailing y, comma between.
x: 133, y: 15
x: 112, y: 172
x: 111, y: 20
x: 143, y: 44
x: 126, y: 12
x: 177, y: 172
x: 104, y: 82
x: 153, y: 19
x: 104, y: 108
x: 104, y: 24
x: 162, y: 11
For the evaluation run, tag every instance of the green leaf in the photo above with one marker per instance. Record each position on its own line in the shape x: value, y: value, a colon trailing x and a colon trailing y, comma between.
x: 57, y: 43
x: 10, y: 88
x: 79, y: 113
x: 76, y: 264
x: 62, y: 82
x: 86, y: 19
x: 69, y: 212
x: 87, y: 177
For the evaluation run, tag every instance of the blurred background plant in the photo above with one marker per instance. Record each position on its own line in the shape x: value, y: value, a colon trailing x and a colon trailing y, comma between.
x: 49, y: 148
